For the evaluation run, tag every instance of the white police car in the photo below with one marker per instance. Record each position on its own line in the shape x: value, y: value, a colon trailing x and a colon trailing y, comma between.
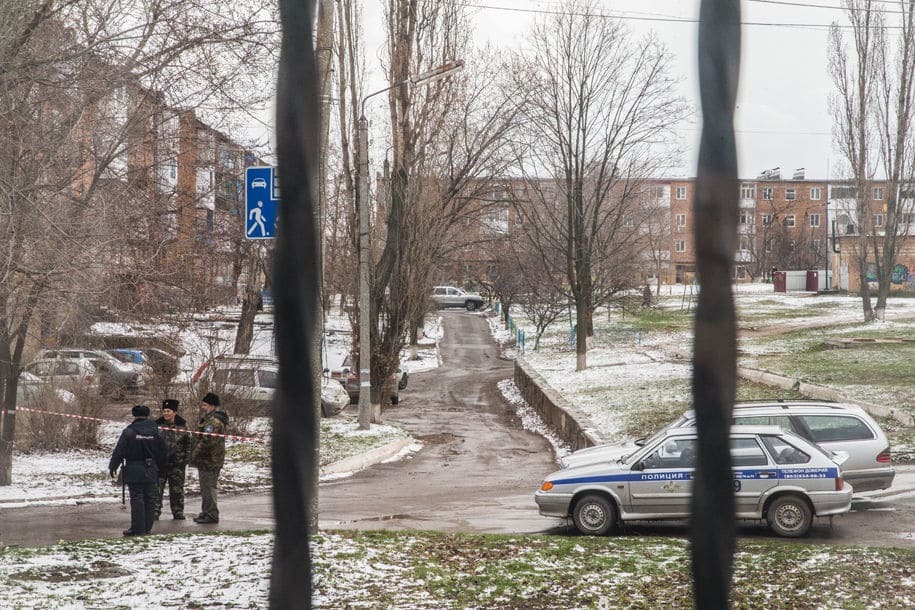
x: 778, y: 476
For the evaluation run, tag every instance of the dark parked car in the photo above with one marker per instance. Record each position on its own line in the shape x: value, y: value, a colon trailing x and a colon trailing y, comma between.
x: 348, y: 375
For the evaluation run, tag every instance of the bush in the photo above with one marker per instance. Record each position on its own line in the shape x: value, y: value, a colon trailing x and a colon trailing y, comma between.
x: 52, y: 429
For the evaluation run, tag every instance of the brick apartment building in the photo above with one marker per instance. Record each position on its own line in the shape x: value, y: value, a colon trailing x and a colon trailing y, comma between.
x: 184, y: 184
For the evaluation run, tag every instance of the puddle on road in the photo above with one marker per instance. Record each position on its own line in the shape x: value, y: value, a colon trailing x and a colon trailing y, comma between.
x: 437, y: 439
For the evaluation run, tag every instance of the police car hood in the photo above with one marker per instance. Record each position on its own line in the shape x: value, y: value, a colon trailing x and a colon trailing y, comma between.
x: 588, y: 470
x: 601, y: 454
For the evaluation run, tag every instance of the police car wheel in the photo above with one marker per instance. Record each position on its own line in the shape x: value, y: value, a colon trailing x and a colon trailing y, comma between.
x: 789, y: 516
x: 470, y: 305
x: 594, y: 515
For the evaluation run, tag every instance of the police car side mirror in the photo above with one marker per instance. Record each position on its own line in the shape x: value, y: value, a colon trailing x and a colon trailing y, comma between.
x: 638, y: 466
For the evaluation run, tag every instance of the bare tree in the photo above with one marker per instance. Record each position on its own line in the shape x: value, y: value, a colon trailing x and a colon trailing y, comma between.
x: 895, y: 112
x: 598, y: 107
x: 852, y: 108
x: 445, y: 136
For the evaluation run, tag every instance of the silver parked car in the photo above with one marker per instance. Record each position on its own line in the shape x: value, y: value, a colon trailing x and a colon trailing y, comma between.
x: 55, y: 375
x: 833, y: 426
x: 449, y: 296
x: 252, y: 380
x: 114, y: 376
x: 778, y: 476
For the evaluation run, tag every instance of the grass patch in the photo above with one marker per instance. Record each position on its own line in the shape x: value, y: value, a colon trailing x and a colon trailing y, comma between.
x: 656, y: 319
x: 857, y: 371
x: 340, y: 440
x: 426, y: 570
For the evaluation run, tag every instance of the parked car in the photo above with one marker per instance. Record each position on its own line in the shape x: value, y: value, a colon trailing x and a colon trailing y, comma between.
x: 831, y: 425
x: 163, y: 364
x: 449, y: 296
x: 245, y: 379
x: 348, y: 375
x: 252, y: 381
x: 779, y: 477
x: 114, y: 376
x: 59, y: 376
x: 37, y: 393
x: 134, y: 357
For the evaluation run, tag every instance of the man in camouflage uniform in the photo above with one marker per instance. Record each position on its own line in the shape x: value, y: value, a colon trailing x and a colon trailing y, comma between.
x: 208, y: 455
x: 173, y: 428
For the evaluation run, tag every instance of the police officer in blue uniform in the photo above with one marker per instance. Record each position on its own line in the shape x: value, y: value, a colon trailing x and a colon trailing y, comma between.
x: 141, y: 454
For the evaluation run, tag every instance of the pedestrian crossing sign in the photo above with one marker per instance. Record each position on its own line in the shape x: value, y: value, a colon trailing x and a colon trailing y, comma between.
x: 262, y: 198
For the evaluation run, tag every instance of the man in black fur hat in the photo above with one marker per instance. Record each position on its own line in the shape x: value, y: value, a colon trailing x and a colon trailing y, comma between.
x: 173, y: 428
x: 141, y: 453
x: 209, y: 454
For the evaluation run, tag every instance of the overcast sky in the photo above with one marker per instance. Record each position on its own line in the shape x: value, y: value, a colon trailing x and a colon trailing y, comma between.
x: 783, y: 115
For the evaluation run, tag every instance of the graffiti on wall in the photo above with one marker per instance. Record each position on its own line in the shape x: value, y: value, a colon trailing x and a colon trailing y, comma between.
x: 901, y: 276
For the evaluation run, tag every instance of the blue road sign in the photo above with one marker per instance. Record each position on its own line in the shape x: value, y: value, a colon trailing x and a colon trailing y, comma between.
x: 262, y: 202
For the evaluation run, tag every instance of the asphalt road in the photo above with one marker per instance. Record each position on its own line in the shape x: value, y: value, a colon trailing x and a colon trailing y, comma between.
x: 478, y: 468
x: 476, y: 472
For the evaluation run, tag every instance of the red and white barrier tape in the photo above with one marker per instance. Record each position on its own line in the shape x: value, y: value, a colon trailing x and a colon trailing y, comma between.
x: 233, y: 437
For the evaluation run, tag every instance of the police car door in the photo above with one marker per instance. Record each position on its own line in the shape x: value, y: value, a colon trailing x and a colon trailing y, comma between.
x: 661, y: 483
x: 754, y: 474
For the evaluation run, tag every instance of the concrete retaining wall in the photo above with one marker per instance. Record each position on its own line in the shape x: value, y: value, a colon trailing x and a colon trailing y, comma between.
x: 819, y: 392
x: 567, y: 421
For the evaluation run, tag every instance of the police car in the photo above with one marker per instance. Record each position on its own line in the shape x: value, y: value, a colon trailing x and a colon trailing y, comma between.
x: 778, y: 477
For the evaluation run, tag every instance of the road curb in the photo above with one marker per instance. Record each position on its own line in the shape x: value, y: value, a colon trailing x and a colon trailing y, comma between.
x: 818, y: 392
x: 369, y: 458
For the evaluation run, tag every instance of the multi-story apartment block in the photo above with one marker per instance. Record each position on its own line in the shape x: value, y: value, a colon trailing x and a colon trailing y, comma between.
x: 180, y: 186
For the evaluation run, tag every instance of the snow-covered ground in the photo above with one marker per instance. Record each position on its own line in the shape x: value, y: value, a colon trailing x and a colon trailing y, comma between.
x: 629, y: 372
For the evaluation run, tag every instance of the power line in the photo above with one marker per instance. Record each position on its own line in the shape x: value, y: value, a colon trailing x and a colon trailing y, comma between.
x: 830, y: 7
x: 667, y: 19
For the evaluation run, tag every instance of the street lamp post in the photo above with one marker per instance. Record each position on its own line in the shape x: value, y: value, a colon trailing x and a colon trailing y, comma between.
x: 362, y: 189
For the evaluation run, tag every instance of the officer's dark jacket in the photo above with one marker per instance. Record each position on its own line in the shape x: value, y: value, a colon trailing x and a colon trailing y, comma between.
x: 142, y: 451
x: 177, y: 441
x: 209, y: 452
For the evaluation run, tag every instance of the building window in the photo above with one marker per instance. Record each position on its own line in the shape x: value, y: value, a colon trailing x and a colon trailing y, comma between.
x: 768, y: 245
x: 681, y: 192
x: 814, y: 220
x: 681, y: 221
x: 744, y: 243
x: 656, y: 192
x: 767, y: 220
x: 878, y: 193
x: 844, y: 192
x: 815, y: 245
x: 767, y: 193
x: 878, y: 220
x: 680, y: 246
x: 790, y: 194
x: 747, y: 191
x: 627, y: 221
x: 815, y: 193
x: 789, y: 221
